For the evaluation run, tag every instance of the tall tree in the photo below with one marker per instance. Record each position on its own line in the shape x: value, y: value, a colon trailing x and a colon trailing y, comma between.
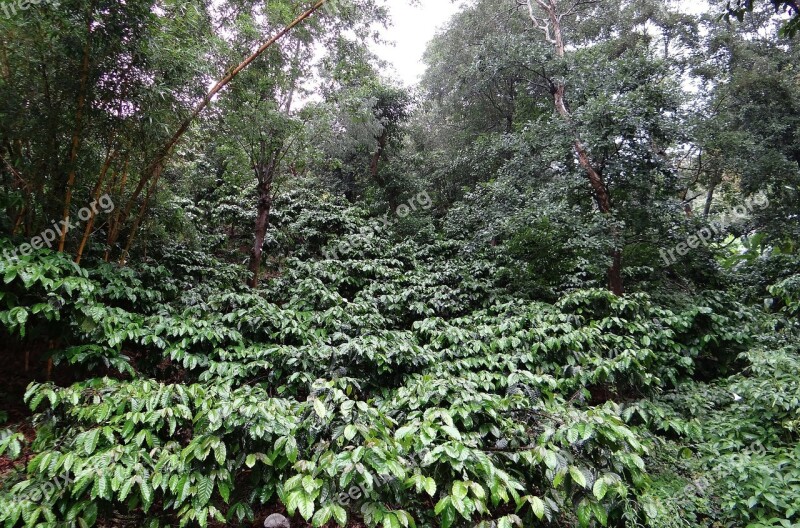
x: 548, y: 16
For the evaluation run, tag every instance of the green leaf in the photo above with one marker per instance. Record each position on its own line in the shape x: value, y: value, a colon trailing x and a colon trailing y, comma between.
x: 319, y: 408
x: 578, y: 476
x: 430, y: 486
x: 183, y: 489
x: 584, y: 514
x: 339, y: 514
x: 10, y: 275
x: 460, y: 489
x: 441, y: 505
x: 390, y: 521
x: 305, y: 505
x: 322, y: 516
x: 147, y: 494
x: 600, y: 489
x: 537, y: 505
x: 404, y: 431
x: 452, y: 432
x: 224, y: 491
x: 350, y: 432
x: 293, y: 501
x: 90, y: 443
x: 448, y: 516
x: 220, y: 452
x: 291, y: 450
x: 550, y: 459
x: 205, y: 488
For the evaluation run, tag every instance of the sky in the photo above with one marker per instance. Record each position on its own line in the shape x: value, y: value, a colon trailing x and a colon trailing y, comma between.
x: 413, y: 28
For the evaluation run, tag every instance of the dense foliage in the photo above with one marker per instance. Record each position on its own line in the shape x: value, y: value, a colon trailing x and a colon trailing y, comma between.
x: 557, y: 285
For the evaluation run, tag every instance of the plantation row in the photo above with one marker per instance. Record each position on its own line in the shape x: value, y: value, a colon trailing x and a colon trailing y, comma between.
x: 415, y: 377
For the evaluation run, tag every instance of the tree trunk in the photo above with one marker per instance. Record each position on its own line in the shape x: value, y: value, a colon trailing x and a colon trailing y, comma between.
x: 18, y: 221
x: 265, y: 173
x: 709, y: 201
x: 55, y: 164
x: 123, y: 258
x: 5, y: 67
x: 615, y: 283
x: 374, y: 166
x: 23, y: 186
x: 262, y: 225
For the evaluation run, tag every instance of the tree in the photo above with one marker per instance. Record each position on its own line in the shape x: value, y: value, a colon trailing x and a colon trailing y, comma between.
x: 154, y: 169
x: 739, y: 8
x: 361, y: 123
x: 747, y: 129
x: 550, y: 21
x: 477, y: 72
x: 86, y: 72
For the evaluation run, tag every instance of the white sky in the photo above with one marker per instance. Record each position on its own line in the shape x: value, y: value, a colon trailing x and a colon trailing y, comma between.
x: 413, y: 27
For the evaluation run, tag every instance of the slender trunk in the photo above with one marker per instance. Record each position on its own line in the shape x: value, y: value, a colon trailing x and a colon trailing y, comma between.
x: 265, y: 173
x: 374, y: 166
x: 32, y: 191
x: 23, y: 186
x: 123, y: 258
x: 375, y: 170
x: 5, y: 67
x: 113, y: 223
x: 512, y: 110
x: 55, y: 168
x: 18, y: 221
x: 76, y: 135
x: 615, y: 283
x: 349, y: 182
x: 293, y: 82
x: 155, y: 168
x: 687, y: 203
x: 262, y: 225
x: 87, y: 232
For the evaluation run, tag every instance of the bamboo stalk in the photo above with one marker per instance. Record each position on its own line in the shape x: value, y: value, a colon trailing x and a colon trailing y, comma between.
x: 87, y: 232
x: 113, y: 224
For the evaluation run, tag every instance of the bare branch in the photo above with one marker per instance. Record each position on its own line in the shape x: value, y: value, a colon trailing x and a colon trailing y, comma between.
x: 541, y: 23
